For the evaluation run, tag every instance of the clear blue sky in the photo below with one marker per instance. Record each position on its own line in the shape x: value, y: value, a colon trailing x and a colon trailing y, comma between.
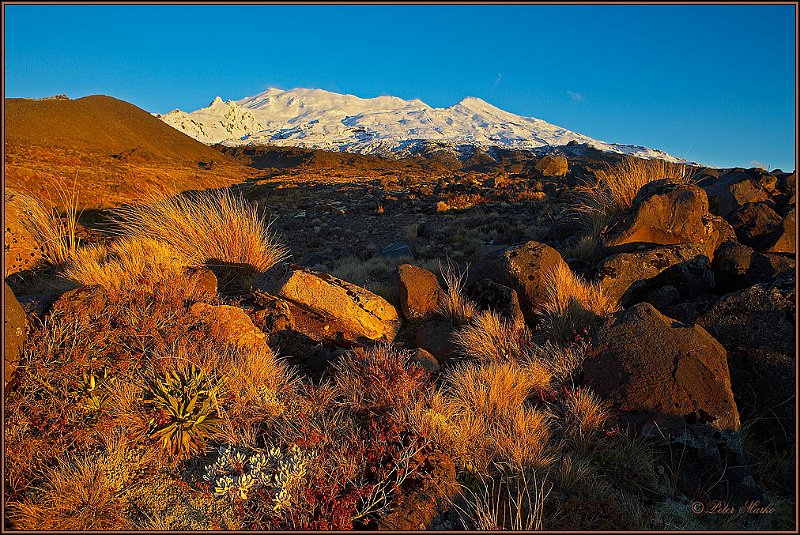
x: 714, y: 84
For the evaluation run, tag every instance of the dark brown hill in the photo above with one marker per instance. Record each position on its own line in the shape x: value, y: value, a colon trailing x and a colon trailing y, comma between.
x: 114, y: 151
x: 99, y: 123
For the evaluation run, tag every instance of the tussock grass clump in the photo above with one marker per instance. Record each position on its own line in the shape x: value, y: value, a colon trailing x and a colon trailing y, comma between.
x: 489, y: 337
x: 506, y: 501
x: 494, y: 390
x: 213, y: 228
x: 55, y: 234
x: 571, y: 304
x: 378, y: 379
x: 563, y: 362
x: 259, y: 389
x: 139, y: 264
x: 482, y: 417
x: 618, y: 184
x: 76, y: 495
x: 585, y: 415
x: 454, y: 305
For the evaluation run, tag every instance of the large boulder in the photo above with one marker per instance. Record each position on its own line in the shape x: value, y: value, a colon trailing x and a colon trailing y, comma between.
x: 523, y: 268
x: 358, y: 310
x: 436, y: 337
x: 738, y: 266
x: 419, y: 291
x: 732, y: 191
x: 490, y: 295
x: 230, y: 324
x: 552, y: 166
x: 681, y: 283
x: 757, y: 327
x: 21, y: 251
x: 782, y: 241
x: 652, y: 368
x: 670, y: 381
x: 15, y: 330
x: 762, y: 315
x: 709, y: 465
x: 754, y: 223
x: 788, y: 183
x: 666, y: 212
x: 617, y: 273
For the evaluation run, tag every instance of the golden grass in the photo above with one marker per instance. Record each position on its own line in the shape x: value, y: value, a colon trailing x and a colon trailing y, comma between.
x: 55, y: 234
x: 562, y: 362
x: 481, y: 416
x: 506, y: 502
x: 571, y: 304
x: 124, y: 411
x: 586, y: 414
x: 212, y: 228
x: 129, y: 263
x: 378, y: 378
x: 454, y: 305
x: 76, y: 495
x: 617, y: 185
x: 523, y: 438
x: 490, y: 337
x: 494, y: 390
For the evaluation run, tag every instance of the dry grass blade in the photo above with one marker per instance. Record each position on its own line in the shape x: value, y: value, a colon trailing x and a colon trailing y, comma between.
x: 128, y: 263
x: 505, y: 502
x: 76, y: 496
x: 571, y: 304
x: 586, y: 414
x: 454, y: 305
x: 624, y: 180
x: 494, y: 390
x: 490, y: 337
x: 54, y: 233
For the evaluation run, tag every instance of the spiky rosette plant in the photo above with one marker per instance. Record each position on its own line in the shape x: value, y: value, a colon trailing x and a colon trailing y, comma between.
x: 185, y: 402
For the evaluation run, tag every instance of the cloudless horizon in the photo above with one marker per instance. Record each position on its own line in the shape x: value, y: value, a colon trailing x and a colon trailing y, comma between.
x: 715, y: 84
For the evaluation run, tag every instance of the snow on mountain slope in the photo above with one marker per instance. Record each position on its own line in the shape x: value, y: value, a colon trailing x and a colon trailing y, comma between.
x: 318, y: 119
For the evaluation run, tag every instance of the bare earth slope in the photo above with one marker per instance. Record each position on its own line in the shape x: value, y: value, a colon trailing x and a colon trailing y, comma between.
x: 117, y: 151
x: 100, y: 123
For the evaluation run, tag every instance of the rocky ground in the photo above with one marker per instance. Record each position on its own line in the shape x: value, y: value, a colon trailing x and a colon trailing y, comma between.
x: 673, y: 326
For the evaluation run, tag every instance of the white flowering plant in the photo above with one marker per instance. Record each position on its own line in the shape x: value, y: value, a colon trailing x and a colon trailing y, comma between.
x: 238, y: 476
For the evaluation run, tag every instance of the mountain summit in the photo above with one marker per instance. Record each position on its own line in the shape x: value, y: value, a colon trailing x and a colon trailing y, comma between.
x: 385, y: 125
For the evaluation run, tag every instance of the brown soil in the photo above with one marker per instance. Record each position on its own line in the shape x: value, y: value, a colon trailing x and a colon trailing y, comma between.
x: 114, y: 151
x: 101, y: 123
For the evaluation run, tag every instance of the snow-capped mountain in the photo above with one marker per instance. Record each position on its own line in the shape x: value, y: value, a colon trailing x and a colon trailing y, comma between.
x: 318, y: 119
